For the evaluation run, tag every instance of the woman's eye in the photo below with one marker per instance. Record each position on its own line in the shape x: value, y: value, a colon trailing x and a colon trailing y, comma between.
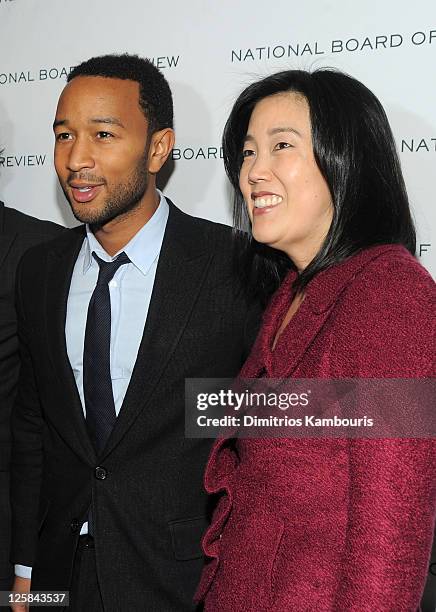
x: 247, y: 153
x: 282, y: 145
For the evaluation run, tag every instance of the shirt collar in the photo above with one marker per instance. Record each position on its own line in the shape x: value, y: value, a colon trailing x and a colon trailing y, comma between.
x: 142, y: 249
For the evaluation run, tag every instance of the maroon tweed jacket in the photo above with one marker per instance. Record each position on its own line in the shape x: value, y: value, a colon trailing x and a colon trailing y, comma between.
x: 330, y: 525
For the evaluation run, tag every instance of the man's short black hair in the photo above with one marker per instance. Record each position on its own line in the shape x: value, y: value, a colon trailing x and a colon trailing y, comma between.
x: 155, y: 97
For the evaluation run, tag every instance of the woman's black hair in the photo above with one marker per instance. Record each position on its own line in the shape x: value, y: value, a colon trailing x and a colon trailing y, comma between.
x: 355, y: 151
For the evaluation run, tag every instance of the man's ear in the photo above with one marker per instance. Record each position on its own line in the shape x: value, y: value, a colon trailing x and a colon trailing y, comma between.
x: 161, y: 145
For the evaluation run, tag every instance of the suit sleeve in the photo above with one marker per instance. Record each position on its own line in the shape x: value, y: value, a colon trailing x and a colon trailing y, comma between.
x: 392, y: 495
x: 27, y: 447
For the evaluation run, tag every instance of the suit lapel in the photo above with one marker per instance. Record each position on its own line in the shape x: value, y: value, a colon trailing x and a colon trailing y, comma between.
x: 295, y: 341
x: 295, y: 338
x: 182, y: 268
x: 60, y: 264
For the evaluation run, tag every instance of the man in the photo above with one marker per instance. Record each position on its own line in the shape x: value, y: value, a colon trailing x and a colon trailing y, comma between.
x: 18, y: 232
x: 107, y: 493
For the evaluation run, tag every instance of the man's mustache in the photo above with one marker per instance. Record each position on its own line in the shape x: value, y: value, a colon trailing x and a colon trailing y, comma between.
x: 90, y: 179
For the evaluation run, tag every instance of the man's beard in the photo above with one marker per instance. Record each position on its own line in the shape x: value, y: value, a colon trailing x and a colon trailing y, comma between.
x: 123, y: 198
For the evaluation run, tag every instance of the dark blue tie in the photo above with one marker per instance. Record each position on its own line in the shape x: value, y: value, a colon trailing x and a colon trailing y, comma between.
x: 97, y: 382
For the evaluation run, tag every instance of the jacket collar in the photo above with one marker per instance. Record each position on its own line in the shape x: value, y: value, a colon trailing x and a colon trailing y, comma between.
x: 321, y: 294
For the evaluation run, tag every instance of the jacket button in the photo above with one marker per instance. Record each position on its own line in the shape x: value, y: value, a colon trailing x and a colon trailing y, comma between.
x: 433, y: 569
x: 75, y: 525
x: 100, y: 473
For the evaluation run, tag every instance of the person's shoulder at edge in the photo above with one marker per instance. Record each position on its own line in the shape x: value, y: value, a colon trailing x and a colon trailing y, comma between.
x: 392, y: 273
x: 38, y: 250
x: 377, y: 273
x: 16, y: 221
x: 386, y: 312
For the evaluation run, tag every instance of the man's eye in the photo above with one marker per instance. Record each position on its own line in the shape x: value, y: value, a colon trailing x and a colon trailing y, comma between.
x: 104, y: 135
x: 63, y: 136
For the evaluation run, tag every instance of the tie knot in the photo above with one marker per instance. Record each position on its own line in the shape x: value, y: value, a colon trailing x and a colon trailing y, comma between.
x: 108, y: 268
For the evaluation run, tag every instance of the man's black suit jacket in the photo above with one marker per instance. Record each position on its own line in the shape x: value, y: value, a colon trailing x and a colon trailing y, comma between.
x: 148, y: 502
x: 18, y: 232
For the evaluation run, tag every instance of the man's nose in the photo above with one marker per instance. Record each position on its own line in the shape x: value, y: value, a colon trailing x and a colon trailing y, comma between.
x: 80, y: 156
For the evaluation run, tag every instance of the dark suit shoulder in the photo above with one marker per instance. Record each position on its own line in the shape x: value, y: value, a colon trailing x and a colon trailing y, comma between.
x: 62, y: 241
x: 215, y: 235
x: 207, y: 225
x: 17, y: 222
x: 199, y: 234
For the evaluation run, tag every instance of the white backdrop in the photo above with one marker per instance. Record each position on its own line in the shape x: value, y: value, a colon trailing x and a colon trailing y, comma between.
x: 209, y: 51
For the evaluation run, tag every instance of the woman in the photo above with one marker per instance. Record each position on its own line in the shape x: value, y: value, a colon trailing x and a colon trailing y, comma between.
x: 324, y: 525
